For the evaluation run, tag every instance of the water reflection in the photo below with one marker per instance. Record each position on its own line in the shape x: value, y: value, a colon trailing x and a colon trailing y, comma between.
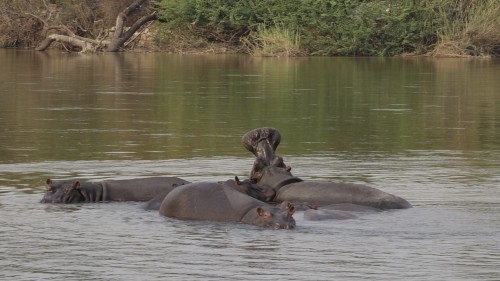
x: 161, y: 106
x: 424, y: 129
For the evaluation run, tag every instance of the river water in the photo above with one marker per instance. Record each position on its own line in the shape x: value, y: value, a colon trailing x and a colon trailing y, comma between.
x: 425, y: 129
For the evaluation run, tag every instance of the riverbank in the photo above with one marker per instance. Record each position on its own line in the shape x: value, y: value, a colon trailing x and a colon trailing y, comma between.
x: 458, y: 28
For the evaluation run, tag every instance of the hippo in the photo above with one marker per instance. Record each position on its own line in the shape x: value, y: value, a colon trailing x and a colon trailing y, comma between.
x: 269, y: 170
x: 259, y: 192
x: 340, y: 211
x: 326, y: 214
x: 141, y: 189
x: 220, y: 202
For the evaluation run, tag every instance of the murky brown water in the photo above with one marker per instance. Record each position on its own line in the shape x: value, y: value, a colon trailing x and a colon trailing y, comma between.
x: 425, y: 129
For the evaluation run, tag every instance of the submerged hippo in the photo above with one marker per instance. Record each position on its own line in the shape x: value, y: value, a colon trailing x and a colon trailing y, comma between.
x: 269, y: 170
x: 340, y: 211
x: 142, y: 189
x: 220, y: 202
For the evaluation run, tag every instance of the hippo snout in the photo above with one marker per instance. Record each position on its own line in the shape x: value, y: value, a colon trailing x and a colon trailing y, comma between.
x: 48, y: 198
x: 290, y: 225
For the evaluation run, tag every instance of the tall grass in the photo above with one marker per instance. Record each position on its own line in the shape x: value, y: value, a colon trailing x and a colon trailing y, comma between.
x: 277, y: 41
x: 471, y: 28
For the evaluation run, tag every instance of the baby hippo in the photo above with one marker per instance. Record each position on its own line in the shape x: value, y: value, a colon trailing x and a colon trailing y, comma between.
x: 220, y: 202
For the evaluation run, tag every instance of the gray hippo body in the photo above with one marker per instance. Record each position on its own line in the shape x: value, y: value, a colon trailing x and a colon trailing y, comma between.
x: 269, y: 170
x: 220, y: 202
x: 326, y: 214
x: 324, y: 193
x: 141, y: 189
x: 262, y: 193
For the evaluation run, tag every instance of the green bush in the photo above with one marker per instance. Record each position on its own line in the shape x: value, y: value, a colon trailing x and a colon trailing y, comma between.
x: 325, y: 27
x: 329, y: 27
x: 278, y: 27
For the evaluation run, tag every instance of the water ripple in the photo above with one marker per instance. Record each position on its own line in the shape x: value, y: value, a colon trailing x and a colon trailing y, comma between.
x: 451, y: 234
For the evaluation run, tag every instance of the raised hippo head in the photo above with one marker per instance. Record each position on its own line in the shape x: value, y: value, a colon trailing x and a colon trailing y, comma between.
x: 67, y: 191
x: 262, y: 142
x: 268, y: 168
x: 277, y: 217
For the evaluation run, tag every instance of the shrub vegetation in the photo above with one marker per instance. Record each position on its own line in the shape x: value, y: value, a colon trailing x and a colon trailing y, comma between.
x: 282, y: 27
x: 342, y: 27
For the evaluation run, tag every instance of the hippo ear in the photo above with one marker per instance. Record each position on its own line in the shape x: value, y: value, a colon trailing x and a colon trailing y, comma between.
x: 75, y: 186
x: 289, y: 207
x: 49, y: 187
x: 288, y: 168
x: 237, y: 180
x: 256, y: 177
x: 263, y: 213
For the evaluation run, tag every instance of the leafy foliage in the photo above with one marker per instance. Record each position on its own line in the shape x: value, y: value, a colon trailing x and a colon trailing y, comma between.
x: 325, y: 27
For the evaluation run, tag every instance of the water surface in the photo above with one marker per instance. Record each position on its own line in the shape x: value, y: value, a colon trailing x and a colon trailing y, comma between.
x: 425, y: 129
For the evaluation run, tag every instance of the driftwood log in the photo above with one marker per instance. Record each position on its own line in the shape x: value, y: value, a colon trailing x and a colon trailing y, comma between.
x: 117, y: 40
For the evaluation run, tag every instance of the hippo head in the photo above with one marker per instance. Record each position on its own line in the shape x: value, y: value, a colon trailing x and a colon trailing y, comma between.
x: 250, y: 187
x: 263, y: 142
x: 268, y: 168
x: 275, y: 177
x: 62, y: 192
x: 277, y: 217
x: 260, y: 165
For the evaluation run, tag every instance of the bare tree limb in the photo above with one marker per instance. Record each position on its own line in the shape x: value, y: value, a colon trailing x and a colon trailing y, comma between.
x: 120, y: 19
x: 45, y: 23
x: 63, y: 38
x: 117, y: 41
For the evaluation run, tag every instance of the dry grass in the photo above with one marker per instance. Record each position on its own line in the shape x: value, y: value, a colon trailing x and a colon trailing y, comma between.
x: 189, y: 40
x: 24, y: 23
x: 475, y: 33
x: 277, y: 41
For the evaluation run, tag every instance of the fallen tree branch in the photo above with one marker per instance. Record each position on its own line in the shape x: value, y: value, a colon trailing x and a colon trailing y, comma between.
x: 137, y: 34
x: 117, y: 41
x: 84, y: 45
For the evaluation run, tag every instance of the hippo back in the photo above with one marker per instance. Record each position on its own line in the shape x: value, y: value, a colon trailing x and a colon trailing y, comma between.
x: 140, y: 189
x: 207, y: 201
x: 326, y: 193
